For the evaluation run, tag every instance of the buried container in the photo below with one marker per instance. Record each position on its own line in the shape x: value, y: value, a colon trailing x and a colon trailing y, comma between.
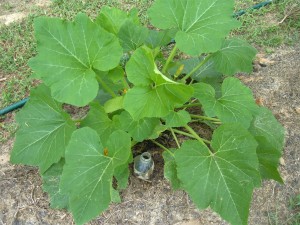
x: 143, y: 166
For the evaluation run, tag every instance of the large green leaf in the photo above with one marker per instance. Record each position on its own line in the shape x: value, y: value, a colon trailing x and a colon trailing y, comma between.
x: 268, y: 158
x: 154, y: 95
x: 234, y: 56
x: 51, y: 181
x: 270, y: 136
x: 236, y: 104
x: 88, y: 172
x: 265, y: 124
x: 111, y: 19
x: 201, y: 25
x: 132, y: 35
x: 67, y: 54
x: 45, y: 130
x: 98, y: 119
x: 170, y: 169
x: 207, y: 71
x: 114, y: 104
x: 122, y: 172
x: 138, y: 129
x: 158, y: 38
x: 225, y: 179
x: 178, y: 119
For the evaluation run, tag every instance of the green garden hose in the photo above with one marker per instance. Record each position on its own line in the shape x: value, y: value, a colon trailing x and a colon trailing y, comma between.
x: 14, y: 106
x: 257, y: 6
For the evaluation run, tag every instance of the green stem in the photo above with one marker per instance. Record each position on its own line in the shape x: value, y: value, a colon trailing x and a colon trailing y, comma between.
x: 133, y: 143
x: 217, y: 123
x: 175, y: 138
x: 183, y: 133
x: 189, y: 135
x: 196, y: 68
x: 196, y: 136
x: 205, y: 118
x: 163, y: 147
x: 105, y: 87
x: 190, y: 105
x: 77, y: 121
x: 170, y: 58
x: 125, y: 83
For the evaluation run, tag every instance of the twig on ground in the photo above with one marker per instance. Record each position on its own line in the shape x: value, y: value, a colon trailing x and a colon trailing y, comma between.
x: 290, y: 11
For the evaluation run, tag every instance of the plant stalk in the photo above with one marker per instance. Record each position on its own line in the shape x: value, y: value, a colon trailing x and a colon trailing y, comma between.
x: 175, y: 138
x: 163, y: 147
x: 105, y: 87
x: 133, y: 143
x: 170, y: 58
x: 196, y: 68
x: 125, y: 83
x: 205, y: 118
x: 190, y: 105
x: 196, y: 136
x: 190, y: 135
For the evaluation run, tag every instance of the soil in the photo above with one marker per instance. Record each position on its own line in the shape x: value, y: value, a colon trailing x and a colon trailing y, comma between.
x: 16, y: 10
x: 275, y: 84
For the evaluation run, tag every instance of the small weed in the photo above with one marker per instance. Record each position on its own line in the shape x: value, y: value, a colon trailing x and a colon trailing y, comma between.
x: 262, y: 27
x: 7, y: 127
x: 7, y: 6
x: 293, y: 217
x: 294, y: 206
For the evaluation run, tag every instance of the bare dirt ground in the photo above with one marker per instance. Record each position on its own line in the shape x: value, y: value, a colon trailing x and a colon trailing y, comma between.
x: 16, y: 10
x: 276, y: 86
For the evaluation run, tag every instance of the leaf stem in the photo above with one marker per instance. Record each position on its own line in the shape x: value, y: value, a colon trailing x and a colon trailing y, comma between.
x: 133, y: 143
x: 163, y: 147
x: 175, y: 138
x: 196, y: 136
x: 190, y: 135
x: 125, y: 83
x: 170, y: 58
x: 205, y: 118
x: 105, y: 87
x: 190, y: 105
x: 183, y: 133
x: 196, y: 68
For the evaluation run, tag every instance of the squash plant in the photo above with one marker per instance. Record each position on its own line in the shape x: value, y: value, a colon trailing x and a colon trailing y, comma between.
x: 134, y: 93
